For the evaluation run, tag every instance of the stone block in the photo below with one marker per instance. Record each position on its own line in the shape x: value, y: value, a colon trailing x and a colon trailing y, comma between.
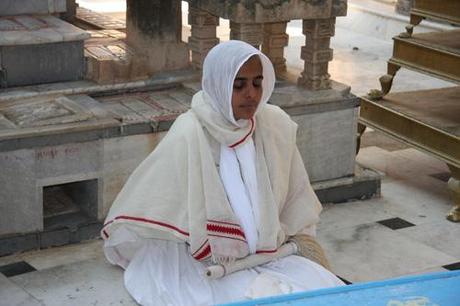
x: 327, y: 123
x: 204, y: 32
x: 18, y: 196
x: 202, y: 45
x: 319, y: 56
x: 36, y: 64
x: 40, y: 49
x: 327, y: 142
x: 365, y: 184
x: 18, y: 243
x: 114, y: 61
x: 202, y: 18
x: 21, y: 7
x: 54, y: 238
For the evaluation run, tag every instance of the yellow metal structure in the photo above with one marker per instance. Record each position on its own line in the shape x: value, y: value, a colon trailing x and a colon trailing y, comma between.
x: 428, y: 120
x: 443, y: 10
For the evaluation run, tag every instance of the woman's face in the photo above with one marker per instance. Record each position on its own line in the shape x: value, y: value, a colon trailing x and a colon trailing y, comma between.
x: 247, y: 89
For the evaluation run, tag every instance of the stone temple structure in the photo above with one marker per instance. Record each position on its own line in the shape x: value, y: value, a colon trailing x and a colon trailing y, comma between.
x: 84, y: 99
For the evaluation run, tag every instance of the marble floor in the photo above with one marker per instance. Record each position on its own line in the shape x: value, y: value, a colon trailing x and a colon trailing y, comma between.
x: 402, y: 232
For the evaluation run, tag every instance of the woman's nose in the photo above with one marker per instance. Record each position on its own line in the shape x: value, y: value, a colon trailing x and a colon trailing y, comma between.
x: 251, y: 91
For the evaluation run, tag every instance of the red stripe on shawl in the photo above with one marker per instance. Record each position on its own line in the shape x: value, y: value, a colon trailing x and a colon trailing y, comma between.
x: 147, y: 221
x: 204, y: 253
x: 227, y: 237
x: 199, y: 249
x: 245, y: 137
x: 225, y: 230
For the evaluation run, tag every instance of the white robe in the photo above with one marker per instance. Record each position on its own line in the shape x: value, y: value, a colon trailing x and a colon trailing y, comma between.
x: 173, y: 216
x: 163, y: 273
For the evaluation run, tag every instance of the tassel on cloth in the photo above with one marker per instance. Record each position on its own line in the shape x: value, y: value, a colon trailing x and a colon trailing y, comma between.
x: 309, y: 248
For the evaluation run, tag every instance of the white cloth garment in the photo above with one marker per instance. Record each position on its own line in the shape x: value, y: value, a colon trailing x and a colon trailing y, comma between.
x: 179, y: 211
x: 162, y: 273
x: 238, y: 174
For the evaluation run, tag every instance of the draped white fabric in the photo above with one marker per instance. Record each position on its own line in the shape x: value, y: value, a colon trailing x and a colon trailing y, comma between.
x: 163, y: 273
x: 238, y: 174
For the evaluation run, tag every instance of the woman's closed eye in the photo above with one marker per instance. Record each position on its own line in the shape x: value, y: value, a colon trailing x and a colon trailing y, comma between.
x: 239, y: 84
x: 257, y: 82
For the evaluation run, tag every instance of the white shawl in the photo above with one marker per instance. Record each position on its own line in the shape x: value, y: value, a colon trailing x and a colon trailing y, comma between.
x: 177, y: 192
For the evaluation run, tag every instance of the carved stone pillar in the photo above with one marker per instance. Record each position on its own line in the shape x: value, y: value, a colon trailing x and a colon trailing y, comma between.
x: 248, y: 32
x: 275, y: 39
x: 203, y: 36
x: 153, y: 28
x: 316, y: 53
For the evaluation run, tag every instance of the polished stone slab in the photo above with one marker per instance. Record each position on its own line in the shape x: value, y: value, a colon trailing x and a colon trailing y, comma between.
x: 351, y: 214
x: 90, y: 282
x: 438, y: 234
x: 371, y: 251
x: 391, y: 163
x: 57, y: 256
x: 12, y: 294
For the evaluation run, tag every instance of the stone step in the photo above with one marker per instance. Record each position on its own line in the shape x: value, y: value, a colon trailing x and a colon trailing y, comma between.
x: 39, y: 49
x: 99, y: 21
x: 22, y: 7
x: 109, y: 59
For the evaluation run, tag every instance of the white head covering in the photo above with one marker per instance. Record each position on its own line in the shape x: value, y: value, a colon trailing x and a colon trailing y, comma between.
x: 220, y: 68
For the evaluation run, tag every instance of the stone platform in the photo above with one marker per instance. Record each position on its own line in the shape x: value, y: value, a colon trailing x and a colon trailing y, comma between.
x: 109, y: 59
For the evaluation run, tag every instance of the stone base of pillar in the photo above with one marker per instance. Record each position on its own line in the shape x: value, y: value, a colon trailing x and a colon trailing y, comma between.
x: 327, y: 121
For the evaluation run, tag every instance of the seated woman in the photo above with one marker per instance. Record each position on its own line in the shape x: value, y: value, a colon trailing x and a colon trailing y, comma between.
x: 226, y: 182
